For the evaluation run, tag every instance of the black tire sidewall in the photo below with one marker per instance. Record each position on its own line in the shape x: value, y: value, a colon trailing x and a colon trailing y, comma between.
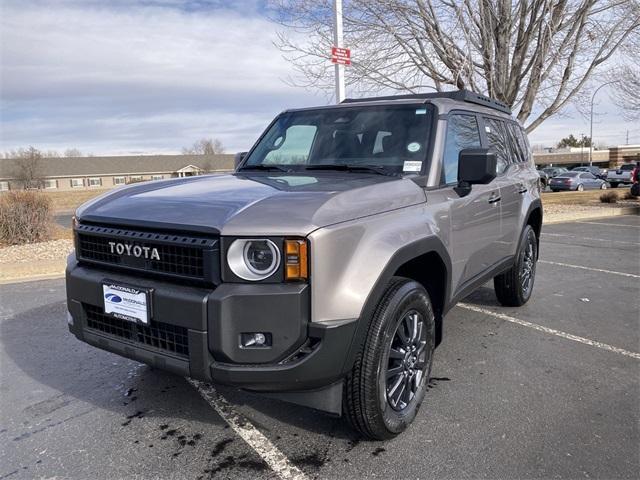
x: 528, y: 236
x: 411, y: 296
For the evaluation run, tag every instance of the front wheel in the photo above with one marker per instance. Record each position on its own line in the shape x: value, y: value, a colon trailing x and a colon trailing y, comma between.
x: 513, y: 287
x: 603, y: 186
x: 580, y: 187
x: 389, y: 379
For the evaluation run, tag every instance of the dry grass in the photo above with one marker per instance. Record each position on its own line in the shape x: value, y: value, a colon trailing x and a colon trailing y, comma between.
x: 62, y: 201
x: 609, y: 196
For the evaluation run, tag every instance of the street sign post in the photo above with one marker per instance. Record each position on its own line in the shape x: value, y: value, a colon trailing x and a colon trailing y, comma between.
x: 337, y: 42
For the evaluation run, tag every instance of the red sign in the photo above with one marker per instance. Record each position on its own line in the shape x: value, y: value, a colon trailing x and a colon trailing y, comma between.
x: 341, y: 56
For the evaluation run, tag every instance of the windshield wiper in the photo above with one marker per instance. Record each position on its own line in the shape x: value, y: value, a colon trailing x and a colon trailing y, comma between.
x: 265, y: 168
x: 379, y: 169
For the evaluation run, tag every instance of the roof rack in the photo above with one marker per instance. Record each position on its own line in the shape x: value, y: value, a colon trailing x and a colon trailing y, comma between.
x: 459, y: 95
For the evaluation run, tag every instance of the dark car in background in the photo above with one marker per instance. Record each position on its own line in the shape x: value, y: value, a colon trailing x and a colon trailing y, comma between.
x: 578, y: 181
x: 554, y: 171
x: 595, y: 171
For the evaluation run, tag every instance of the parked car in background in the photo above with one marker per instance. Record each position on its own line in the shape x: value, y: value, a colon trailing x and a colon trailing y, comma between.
x: 554, y: 171
x: 577, y: 181
x: 622, y: 174
x: 595, y: 171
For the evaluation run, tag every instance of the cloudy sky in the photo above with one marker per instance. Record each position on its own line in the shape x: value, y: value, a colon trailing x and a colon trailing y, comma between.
x: 153, y: 76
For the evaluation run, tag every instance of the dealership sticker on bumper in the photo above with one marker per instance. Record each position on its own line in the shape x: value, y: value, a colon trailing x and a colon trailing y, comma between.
x: 126, y: 303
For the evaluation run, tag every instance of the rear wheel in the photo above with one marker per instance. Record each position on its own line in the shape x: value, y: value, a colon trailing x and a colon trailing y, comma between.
x: 387, y: 384
x: 513, y: 287
x: 580, y: 187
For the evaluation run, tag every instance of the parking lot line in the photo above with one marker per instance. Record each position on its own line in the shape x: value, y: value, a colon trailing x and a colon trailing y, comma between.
x: 589, y: 238
x: 269, y: 453
x: 551, y: 331
x: 611, y: 224
x: 581, y: 267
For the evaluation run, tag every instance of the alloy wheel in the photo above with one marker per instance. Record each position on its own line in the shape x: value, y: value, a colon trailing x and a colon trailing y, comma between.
x: 528, y: 268
x: 407, y: 360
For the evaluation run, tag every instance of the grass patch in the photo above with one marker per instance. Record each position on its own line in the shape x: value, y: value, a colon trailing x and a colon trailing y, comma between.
x: 64, y: 201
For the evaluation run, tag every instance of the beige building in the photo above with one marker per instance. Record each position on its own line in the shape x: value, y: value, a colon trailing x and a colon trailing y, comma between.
x: 77, y: 173
x: 608, y: 158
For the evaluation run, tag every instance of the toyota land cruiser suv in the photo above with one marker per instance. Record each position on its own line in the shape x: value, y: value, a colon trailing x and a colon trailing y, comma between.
x: 321, y: 269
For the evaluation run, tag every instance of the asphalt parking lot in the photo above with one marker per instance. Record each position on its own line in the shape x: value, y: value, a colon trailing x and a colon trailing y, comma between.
x: 549, y: 390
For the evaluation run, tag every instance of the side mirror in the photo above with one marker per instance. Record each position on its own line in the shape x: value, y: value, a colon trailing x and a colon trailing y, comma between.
x: 475, y: 166
x: 237, y: 160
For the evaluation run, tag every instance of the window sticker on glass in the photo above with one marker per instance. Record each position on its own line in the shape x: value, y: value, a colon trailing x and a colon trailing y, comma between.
x: 487, y: 129
x: 421, y: 111
x: 412, y: 166
x: 413, y: 147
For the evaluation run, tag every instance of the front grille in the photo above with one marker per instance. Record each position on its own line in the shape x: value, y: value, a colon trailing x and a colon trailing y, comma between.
x: 179, y: 256
x: 163, y: 336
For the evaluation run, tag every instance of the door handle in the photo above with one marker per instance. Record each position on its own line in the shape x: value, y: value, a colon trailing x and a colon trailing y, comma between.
x: 522, y: 188
x: 494, y: 198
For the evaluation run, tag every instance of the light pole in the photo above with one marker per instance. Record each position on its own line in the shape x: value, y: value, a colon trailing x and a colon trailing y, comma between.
x: 591, y: 118
x: 337, y: 41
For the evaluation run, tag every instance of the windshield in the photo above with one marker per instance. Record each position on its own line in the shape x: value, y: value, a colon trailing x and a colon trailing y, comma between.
x: 569, y: 174
x: 388, y: 139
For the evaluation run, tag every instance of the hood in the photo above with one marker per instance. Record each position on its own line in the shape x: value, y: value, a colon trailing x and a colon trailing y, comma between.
x: 260, y: 203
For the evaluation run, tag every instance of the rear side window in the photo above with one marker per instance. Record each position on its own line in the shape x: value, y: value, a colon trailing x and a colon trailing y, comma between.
x: 462, y: 132
x: 497, y: 137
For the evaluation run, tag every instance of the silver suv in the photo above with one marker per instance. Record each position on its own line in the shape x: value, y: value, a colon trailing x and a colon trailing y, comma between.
x: 321, y: 270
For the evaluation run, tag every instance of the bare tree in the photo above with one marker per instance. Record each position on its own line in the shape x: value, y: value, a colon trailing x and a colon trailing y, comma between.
x: 535, y: 55
x: 627, y: 92
x: 205, y: 146
x: 28, y: 167
x: 72, y: 152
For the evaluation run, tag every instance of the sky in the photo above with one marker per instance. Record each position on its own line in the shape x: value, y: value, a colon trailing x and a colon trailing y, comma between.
x: 117, y: 77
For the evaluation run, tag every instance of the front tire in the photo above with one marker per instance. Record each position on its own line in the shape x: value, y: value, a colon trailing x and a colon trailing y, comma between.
x: 603, y: 186
x: 389, y: 379
x: 513, y: 287
x: 580, y: 188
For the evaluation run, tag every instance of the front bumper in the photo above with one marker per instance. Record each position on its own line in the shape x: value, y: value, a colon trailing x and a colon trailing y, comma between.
x: 303, y: 355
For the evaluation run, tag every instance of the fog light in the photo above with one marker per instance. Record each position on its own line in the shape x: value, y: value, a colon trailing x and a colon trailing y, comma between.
x: 255, y: 339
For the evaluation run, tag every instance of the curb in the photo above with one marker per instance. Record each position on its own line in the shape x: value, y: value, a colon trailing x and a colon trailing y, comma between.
x: 566, y: 218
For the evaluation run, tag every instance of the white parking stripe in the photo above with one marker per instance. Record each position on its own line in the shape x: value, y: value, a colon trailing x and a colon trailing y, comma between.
x: 612, y: 224
x: 250, y: 434
x: 551, y: 331
x: 589, y: 238
x: 612, y: 272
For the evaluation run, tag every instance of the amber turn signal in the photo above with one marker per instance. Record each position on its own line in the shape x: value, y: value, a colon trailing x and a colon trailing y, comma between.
x: 295, y: 266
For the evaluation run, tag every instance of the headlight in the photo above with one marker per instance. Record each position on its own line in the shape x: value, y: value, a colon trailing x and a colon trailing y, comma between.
x: 253, y: 259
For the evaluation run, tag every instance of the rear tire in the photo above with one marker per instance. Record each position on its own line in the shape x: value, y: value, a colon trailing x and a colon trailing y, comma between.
x: 513, y: 287
x: 387, y: 361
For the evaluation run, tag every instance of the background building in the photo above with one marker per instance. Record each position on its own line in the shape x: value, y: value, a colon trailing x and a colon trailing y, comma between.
x: 72, y: 173
x: 607, y: 158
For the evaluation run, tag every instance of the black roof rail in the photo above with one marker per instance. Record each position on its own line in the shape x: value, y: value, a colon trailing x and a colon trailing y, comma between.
x: 459, y: 95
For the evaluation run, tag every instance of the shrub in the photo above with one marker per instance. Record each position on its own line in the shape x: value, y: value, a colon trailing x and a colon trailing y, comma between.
x: 25, y: 217
x: 629, y: 196
x: 609, y: 197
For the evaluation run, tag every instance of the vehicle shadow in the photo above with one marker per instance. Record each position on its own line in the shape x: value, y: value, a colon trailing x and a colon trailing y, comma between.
x: 38, y: 342
x: 485, y: 296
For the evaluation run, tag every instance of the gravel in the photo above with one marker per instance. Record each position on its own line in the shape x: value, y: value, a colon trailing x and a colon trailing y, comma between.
x: 51, y: 250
